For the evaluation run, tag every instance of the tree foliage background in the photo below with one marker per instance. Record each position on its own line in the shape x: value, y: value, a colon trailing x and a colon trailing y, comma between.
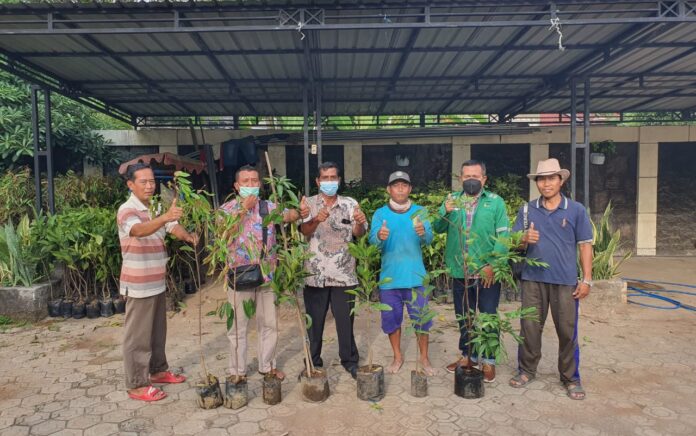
x: 73, y: 128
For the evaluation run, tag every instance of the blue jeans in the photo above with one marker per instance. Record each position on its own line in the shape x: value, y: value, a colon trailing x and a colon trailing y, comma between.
x: 488, y: 299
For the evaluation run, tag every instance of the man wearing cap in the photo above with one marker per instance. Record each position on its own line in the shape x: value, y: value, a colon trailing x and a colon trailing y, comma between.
x: 473, y: 218
x: 399, y: 229
x: 558, y: 229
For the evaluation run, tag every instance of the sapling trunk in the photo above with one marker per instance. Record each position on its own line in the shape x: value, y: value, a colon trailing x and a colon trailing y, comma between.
x: 369, y: 342
x: 309, y: 366
x: 236, y: 330
x: 285, y: 244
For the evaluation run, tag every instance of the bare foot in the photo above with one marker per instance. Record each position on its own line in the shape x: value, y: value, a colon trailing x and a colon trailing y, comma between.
x: 427, y: 367
x: 395, y: 366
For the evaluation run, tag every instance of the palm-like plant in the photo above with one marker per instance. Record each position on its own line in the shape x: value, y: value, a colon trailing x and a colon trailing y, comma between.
x: 606, y: 244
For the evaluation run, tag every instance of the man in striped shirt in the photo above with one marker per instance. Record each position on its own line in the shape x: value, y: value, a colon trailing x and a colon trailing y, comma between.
x: 143, y: 284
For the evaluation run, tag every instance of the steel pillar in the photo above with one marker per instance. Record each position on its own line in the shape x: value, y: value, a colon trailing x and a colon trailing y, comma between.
x: 317, y: 100
x: 573, y: 136
x: 586, y: 143
x: 38, y: 152
x: 305, y: 131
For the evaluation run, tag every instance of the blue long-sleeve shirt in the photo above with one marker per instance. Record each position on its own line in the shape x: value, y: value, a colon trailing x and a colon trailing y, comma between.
x: 402, y: 257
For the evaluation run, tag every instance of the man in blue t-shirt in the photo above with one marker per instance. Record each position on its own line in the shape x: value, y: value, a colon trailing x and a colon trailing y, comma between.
x: 399, y: 231
x: 557, y: 228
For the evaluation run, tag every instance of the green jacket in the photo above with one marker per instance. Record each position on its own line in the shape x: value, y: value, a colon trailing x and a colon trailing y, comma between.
x: 490, y: 220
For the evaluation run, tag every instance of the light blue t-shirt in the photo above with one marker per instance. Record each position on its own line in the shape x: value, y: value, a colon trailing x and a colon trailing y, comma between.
x: 402, y: 257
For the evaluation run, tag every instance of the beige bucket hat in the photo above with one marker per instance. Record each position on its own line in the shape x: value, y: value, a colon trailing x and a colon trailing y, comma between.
x: 549, y: 167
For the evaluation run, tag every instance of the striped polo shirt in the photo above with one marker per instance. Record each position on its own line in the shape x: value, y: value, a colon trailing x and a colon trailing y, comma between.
x: 144, y: 259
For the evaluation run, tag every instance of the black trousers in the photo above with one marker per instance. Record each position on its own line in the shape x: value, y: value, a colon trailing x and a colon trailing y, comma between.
x: 317, y: 301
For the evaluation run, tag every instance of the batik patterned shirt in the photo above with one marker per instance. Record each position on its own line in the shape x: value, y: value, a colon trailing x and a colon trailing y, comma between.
x: 331, y: 263
x: 246, y: 249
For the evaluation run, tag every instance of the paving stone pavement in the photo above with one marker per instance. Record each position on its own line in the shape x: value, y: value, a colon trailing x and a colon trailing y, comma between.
x: 66, y: 378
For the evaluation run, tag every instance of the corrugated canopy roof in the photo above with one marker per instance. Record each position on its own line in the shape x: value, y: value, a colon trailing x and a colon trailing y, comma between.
x: 363, y: 57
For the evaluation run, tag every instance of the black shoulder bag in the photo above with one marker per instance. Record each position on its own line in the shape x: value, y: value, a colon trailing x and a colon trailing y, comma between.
x: 250, y: 276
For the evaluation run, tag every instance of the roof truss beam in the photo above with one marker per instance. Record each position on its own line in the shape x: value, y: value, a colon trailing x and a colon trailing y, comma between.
x: 281, y: 20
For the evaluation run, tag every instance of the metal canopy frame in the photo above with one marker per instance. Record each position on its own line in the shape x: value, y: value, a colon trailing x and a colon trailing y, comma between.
x: 638, y: 24
x: 145, y: 62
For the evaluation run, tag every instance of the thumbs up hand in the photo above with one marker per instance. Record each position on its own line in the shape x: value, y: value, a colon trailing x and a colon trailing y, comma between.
x: 383, y: 233
x: 532, y: 235
x: 418, y: 226
x: 322, y: 215
x: 304, y: 208
x: 449, y: 203
x: 174, y: 212
x: 359, y: 216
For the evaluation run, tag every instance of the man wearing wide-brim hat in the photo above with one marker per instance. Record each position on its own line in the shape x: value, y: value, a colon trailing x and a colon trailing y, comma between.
x: 555, y: 227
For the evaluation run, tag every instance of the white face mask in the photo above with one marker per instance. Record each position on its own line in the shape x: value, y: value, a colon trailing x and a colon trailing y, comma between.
x: 245, y: 191
x: 329, y: 188
x: 399, y: 207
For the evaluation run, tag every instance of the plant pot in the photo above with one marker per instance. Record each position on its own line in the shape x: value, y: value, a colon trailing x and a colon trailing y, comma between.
x: 54, y: 308
x: 370, y: 383
x: 597, y: 158
x: 209, y: 393
x: 66, y: 308
x: 79, y: 310
x: 236, y: 392
x: 272, y: 393
x: 419, y: 384
x: 119, y: 305
x: 106, y: 307
x: 315, y: 389
x: 92, y: 309
x: 468, y: 382
x: 189, y: 288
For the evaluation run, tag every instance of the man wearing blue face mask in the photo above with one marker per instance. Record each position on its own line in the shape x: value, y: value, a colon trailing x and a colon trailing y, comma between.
x: 250, y: 247
x: 473, y: 218
x: 332, y: 223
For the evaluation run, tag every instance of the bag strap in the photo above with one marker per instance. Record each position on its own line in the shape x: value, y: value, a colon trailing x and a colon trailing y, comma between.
x: 525, y: 215
x: 263, y: 211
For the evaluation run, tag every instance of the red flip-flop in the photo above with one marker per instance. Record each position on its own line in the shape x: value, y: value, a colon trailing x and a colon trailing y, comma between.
x: 151, y: 394
x: 168, y: 377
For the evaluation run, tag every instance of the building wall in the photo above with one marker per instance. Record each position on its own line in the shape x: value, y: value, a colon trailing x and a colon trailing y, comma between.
x: 639, y: 180
x: 676, y: 202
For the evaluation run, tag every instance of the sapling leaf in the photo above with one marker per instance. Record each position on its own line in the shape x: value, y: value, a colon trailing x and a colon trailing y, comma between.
x: 249, y: 308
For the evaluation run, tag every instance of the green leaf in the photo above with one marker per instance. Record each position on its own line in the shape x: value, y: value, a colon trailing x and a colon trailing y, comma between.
x: 383, y: 307
x: 249, y: 308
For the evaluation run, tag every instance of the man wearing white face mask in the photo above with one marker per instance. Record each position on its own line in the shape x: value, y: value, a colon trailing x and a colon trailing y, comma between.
x: 253, y: 243
x: 332, y: 223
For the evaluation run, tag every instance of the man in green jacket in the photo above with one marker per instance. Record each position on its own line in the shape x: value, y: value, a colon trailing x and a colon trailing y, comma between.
x: 473, y: 218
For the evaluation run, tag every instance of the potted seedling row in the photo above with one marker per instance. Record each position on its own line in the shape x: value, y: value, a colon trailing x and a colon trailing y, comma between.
x: 226, y: 227
x: 370, y: 377
x: 289, y: 278
x: 417, y: 322
x: 197, y: 212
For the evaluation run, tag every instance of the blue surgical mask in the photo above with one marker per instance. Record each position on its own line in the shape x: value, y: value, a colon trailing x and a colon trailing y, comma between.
x: 328, y: 188
x: 245, y: 191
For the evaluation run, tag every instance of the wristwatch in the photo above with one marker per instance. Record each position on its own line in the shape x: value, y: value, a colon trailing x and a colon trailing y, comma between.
x: 587, y: 282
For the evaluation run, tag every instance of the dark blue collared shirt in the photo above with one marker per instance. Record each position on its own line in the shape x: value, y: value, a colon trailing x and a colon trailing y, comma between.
x: 560, y: 231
